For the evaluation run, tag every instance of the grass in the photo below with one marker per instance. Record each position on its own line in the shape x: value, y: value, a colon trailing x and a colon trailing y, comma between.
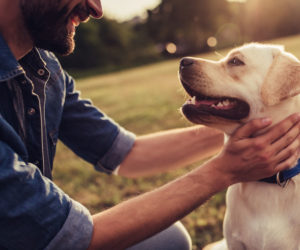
x: 143, y: 100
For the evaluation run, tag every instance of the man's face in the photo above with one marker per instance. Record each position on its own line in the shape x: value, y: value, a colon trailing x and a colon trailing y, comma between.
x: 52, y: 23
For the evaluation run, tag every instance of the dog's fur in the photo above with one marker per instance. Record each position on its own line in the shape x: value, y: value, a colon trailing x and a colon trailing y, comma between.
x: 259, y: 215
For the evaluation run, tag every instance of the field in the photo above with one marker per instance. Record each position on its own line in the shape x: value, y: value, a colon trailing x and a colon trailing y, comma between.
x: 143, y: 100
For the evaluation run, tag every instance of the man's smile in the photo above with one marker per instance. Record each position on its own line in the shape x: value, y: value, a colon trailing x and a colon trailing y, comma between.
x: 78, y: 15
x: 73, y: 22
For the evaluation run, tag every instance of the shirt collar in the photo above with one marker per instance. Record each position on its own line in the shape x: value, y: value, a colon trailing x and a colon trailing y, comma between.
x: 9, y: 66
x: 32, y: 61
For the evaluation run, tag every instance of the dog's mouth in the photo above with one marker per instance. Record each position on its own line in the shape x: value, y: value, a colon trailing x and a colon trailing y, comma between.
x: 200, y: 108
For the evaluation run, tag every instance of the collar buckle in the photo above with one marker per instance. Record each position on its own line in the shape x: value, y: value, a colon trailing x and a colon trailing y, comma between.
x: 279, y: 182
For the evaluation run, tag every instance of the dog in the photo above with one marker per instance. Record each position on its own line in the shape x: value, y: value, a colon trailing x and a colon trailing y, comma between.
x: 252, y: 81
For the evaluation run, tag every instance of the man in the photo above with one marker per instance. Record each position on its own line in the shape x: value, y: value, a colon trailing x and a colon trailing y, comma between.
x: 39, y: 104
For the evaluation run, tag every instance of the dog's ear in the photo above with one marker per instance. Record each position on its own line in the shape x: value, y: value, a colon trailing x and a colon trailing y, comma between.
x: 282, y: 80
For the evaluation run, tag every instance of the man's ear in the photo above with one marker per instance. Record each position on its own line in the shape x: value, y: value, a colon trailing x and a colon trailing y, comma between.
x: 282, y: 80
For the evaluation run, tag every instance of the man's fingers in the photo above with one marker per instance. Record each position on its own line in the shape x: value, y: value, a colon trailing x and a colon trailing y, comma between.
x: 289, y: 162
x: 280, y: 129
x: 251, y: 128
x: 292, y: 136
x: 289, y: 151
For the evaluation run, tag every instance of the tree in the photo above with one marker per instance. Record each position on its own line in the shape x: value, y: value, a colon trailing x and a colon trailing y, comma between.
x: 108, y: 44
x: 187, y: 23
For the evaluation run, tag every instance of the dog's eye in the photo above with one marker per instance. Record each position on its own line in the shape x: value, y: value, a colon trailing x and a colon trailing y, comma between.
x: 235, y: 62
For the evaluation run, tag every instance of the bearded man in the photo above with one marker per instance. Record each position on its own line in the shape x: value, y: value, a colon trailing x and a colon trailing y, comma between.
x: 39, y: 104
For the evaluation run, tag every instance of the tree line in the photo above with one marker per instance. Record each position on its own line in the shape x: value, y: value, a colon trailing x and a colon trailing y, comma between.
x: 185, y: 24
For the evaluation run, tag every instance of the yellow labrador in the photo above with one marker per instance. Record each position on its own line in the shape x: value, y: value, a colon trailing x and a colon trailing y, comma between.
x: 252, y: 81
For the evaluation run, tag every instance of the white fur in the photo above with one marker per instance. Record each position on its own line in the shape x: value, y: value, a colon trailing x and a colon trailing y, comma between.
x: 259, y: 216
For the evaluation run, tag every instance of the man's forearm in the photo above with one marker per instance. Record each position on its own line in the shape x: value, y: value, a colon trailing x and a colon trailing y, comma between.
x: 167, y: 150
x: 141, y: 217
x: 242, y: 159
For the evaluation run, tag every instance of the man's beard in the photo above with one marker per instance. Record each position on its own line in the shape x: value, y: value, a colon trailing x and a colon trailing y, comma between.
x: 47, y: 21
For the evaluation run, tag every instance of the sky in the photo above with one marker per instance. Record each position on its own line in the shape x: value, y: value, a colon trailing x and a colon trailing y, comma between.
x: 123, y: 10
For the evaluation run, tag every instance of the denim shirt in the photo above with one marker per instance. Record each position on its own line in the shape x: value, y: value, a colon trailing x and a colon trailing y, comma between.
x: 38, y: 106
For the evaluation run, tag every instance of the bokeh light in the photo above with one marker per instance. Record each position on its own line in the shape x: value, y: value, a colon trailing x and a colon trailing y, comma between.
x: 212, y: 41
x: 171, y: 48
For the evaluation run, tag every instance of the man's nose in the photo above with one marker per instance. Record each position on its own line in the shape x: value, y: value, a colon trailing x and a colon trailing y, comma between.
x: 95, y: 8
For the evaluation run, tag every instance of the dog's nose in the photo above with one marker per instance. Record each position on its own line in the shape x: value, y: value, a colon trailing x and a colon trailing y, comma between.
x: 186, y: 61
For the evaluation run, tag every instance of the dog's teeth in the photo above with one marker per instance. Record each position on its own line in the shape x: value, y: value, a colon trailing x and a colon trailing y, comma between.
x: 193, y: 100
x: 220, y: 104
x: 226, y: 102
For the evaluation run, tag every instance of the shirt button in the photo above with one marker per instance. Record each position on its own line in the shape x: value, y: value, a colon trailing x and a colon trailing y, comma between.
x: 31, y: 111
x: 23, y: 82
x: 41, y: 72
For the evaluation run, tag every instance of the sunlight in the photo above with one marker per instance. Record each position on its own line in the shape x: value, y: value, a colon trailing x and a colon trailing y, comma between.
x: 125, y: 10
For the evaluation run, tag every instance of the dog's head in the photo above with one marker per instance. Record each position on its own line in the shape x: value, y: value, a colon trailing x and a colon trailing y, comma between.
x: 250, y: 82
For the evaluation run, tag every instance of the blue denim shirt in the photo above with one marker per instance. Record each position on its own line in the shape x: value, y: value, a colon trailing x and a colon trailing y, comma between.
x: 38, y: 106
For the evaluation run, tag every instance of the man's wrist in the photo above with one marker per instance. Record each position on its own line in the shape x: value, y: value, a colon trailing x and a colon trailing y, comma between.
x: 216, y: 174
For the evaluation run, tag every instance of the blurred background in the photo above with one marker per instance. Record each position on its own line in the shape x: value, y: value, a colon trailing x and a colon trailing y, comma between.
x: 127, y: 64
x: 131, y: 35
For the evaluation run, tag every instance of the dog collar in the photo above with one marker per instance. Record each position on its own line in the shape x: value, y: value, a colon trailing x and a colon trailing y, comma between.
x: 282, y: 178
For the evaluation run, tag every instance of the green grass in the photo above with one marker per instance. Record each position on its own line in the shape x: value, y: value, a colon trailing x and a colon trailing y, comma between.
x: 143, y: 100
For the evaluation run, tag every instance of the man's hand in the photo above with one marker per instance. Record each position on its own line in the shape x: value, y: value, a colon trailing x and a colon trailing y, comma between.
x: 246, y: 157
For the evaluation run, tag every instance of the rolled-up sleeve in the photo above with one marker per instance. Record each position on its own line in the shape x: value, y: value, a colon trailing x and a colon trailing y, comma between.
x: 91, y: 134
x: 76, y: 232
x: 117, y: 152
x: 34, y: 212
